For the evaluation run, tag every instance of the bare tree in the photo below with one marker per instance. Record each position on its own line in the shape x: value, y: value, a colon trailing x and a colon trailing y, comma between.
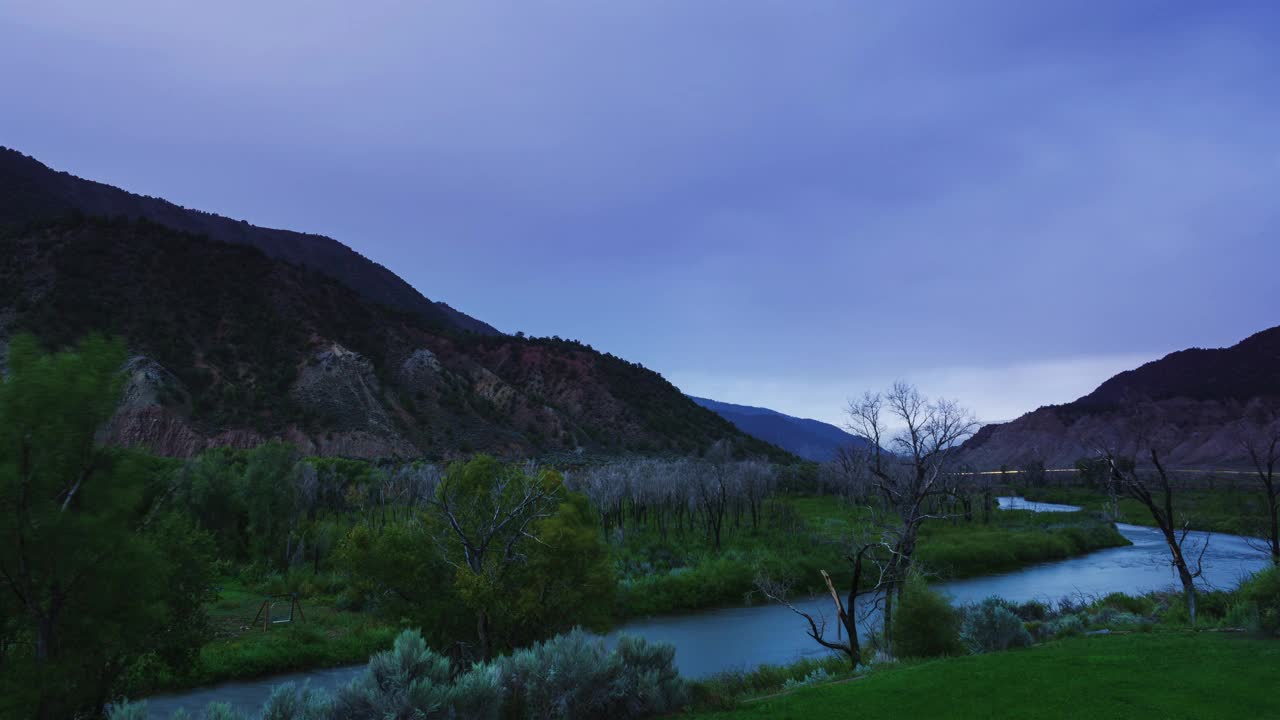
x: 1258, y: 433
x: 1127, y: 455
x: 846, y: 610
x: 917, y: 473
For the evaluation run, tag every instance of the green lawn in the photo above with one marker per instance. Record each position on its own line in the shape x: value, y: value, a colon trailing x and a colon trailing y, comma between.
x: 1146, y: 675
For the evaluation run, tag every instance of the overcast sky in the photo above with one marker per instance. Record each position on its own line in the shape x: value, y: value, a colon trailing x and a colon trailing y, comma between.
x: 771, y: 203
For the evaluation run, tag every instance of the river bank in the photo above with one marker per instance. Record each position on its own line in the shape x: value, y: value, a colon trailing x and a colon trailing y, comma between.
x: 742, y: 638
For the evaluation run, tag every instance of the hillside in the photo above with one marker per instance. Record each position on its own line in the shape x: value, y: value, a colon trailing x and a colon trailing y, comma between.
x: 1198, y: 393
x: 32, y: 194
x: 233, y: 347
x: 809, y: 439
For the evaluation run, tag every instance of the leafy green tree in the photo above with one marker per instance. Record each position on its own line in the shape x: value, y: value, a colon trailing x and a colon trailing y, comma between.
x: 209, y: 490
x: 91, y: 581
x: 501, y: 527
x: 269, y: 494
x: 567, y: 579
x: 398, y: 571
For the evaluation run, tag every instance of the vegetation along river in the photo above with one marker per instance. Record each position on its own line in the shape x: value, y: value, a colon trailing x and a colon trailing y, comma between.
x: 741, y: 638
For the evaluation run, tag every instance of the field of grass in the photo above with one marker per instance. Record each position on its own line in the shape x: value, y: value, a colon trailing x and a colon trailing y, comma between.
x: 805, y: 535
x: 1164, y: 675
x: 328, y: 637
x: 1234, y: 512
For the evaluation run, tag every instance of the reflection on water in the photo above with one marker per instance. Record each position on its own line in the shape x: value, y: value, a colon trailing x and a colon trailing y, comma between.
x: 745, y: 637
x: 1018, y: 503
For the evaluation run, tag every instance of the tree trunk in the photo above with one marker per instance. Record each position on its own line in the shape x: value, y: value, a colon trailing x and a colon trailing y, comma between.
x: 1275, y: 525
x: 483, y: 635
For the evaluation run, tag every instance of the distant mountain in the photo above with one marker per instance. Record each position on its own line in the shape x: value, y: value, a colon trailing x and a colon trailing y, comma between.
x: 1198, y: 392
x: 241, y: 338
x: 809, y: 439
x: 30, y: 192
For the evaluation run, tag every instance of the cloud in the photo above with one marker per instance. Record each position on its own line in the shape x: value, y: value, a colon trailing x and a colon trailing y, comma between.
x: 802, y: 196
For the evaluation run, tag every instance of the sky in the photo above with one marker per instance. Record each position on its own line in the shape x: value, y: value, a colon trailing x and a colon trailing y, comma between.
x: 771, y: 203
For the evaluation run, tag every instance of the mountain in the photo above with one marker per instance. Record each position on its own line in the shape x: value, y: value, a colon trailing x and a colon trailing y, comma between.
x: 233, y: 345
x: 1198, y: 393
x: 32, y: 193
x: 809, y: 439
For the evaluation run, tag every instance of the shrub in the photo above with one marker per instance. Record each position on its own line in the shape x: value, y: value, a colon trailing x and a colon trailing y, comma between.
x: 574, y: 676
x: 924, y: 623
x: 412, y: 681
x: 991, y: 627
x: 128, y: 711
x: 222, y: 711
x: 1262, y: 592
x: 289, y: 703
x: 819, y: 675
x: 1031, y: 610
x: 1128, y: 603
x: 653, y: 683
x: 1066, y: 626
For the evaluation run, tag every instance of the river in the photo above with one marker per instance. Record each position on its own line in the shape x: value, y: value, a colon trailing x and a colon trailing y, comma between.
x: 742, y: 638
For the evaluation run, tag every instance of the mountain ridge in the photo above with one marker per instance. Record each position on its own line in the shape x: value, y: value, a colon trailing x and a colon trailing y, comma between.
x: 810, y: 439
x: 32, y: 192
x: 1199, y: 392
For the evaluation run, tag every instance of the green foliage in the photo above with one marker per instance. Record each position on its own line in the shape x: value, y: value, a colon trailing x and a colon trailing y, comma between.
x: 101, y: 579
x: 128, y: 711
x: 567, y: 568
x: 523, y: 547
x: 411, y: 682
x: 268, y: 494
x: 724, y: 688
x: 288, y: 702
x: 572, y: 676
x: 1065, y: 626
x: 924, y: 622
x: 1261, y: 593
x: 1137, y: 605
x: 990, y: 626
x: 399, y: 572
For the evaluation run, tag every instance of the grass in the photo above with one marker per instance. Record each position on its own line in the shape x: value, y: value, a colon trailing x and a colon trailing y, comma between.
x: 327, y: 638
x: 1234, y: 512
x: 1165, y: 675
x: 808, y: 534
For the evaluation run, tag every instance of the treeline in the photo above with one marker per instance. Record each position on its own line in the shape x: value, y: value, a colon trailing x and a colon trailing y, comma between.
x: 111, y: 556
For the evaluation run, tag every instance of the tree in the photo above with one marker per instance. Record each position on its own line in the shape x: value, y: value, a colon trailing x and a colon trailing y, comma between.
x: 1139, y: 440
x: 83, y: 562
x: 847, y: 611
x: 913, y: 479
x: 1258, y: 434
x: 488, y: 511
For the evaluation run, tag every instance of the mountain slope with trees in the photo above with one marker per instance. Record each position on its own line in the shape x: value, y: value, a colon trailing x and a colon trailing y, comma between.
x: 31, y: 192
x: 231, y: 345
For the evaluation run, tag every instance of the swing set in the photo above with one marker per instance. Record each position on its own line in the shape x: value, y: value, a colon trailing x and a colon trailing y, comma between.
x: 264, y: 610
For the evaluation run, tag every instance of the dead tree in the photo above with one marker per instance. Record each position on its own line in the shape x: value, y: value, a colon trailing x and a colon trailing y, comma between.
x: 917, y: 472
x: 1139, y: 442
x: 1258, y: 434
x: 846, y: 609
